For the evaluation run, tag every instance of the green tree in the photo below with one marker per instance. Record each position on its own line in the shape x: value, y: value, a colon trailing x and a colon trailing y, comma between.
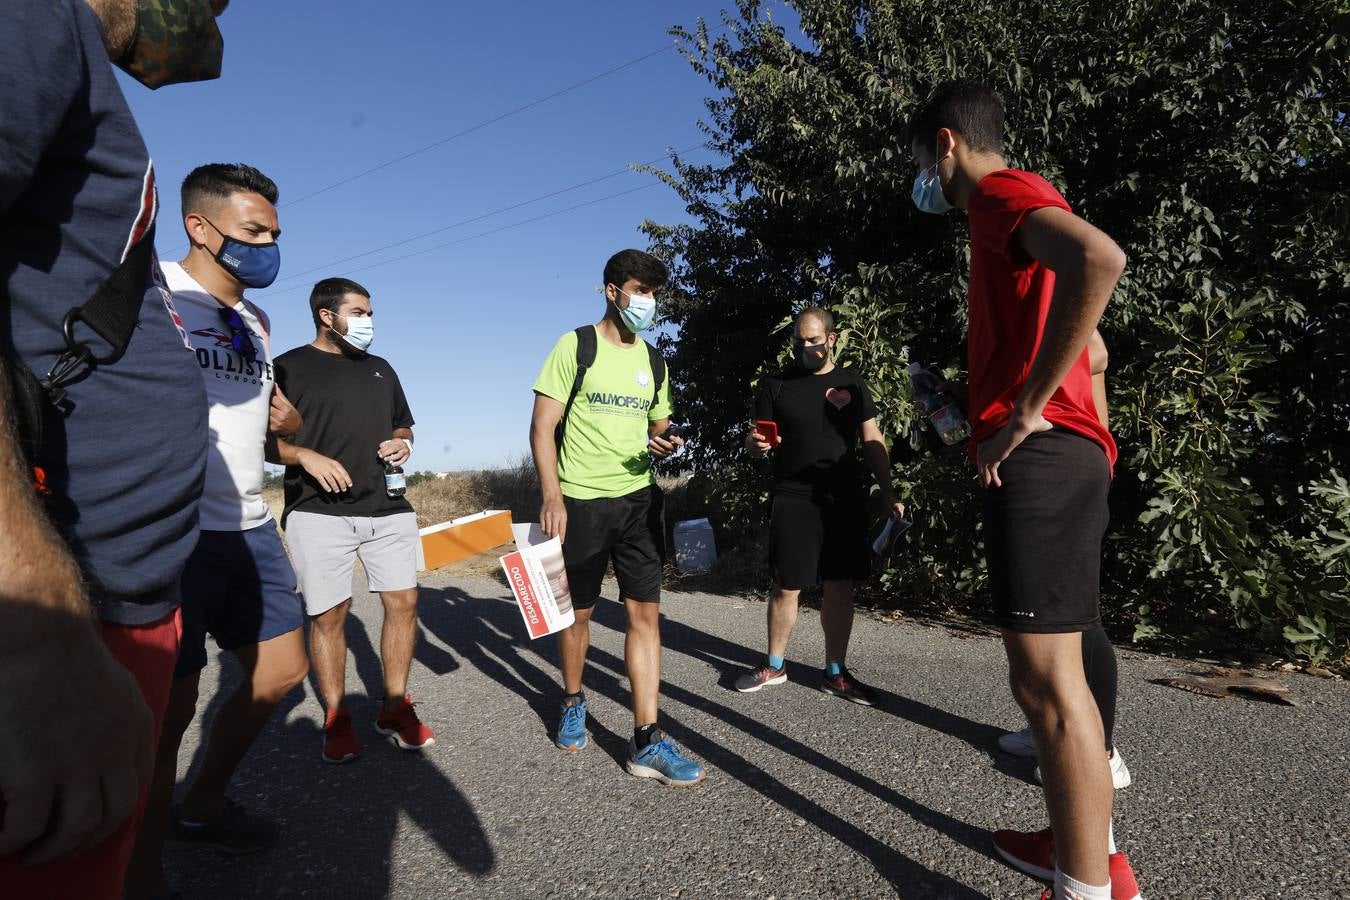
x: 1209, y: 139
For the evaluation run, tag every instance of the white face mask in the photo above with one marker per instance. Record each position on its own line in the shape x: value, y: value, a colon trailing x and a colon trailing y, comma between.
x: 927, y: 191
x: 640, y: 312
x: 360, y: 331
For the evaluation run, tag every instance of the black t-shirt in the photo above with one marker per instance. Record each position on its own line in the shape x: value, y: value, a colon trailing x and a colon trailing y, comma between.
x: 818, y: 418
x: 350, y: 405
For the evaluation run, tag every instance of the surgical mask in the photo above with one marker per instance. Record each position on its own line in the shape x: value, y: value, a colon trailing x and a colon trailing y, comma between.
x: 360, y: 332
x: 252, y: 265
x: 812, y: 357
x: 927, y: 192
x: 640, y: 312
x: 175, y: 41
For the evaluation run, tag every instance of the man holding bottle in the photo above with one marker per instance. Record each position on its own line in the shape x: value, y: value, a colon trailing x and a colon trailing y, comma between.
x: 338, y: 506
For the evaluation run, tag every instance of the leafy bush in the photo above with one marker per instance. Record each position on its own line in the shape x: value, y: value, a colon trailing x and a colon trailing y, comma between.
x: 1208, y: 139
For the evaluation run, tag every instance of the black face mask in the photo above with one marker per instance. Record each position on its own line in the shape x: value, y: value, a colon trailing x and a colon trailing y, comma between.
x: 812, y: 356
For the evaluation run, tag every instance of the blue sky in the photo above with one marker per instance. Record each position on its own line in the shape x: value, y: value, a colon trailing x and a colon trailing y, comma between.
x: 313, y: 94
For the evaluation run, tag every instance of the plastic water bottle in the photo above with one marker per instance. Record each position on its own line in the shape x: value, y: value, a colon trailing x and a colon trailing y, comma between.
x: 395, y: 485
x: 942, y: 410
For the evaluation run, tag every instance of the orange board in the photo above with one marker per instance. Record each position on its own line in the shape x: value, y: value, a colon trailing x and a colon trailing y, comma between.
x: 450, y: 542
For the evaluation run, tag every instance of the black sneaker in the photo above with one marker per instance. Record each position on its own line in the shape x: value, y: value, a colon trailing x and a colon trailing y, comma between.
x: 233, y: 830
x: 846, y: 686
x: 758, y: 677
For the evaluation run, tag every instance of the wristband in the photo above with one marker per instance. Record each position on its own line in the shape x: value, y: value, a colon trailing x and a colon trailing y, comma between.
x: 408, y: 442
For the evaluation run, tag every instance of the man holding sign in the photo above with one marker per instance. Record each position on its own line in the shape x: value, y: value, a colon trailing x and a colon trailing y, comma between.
x: 818, y: 522
x: 601, y: 411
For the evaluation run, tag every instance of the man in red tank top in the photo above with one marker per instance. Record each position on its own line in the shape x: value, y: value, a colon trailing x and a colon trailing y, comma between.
x: 1040, y: 278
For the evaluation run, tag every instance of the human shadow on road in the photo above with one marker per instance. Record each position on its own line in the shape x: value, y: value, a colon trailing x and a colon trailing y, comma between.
x: 732, y: 659
x: 339, y: 823
x: 481, y: 631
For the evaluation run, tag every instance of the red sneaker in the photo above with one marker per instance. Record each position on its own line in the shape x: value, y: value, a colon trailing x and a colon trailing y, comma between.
x: 339, y: 741
x: 1123, y: 885
x: 404, y: 727
x: 1033, y: 852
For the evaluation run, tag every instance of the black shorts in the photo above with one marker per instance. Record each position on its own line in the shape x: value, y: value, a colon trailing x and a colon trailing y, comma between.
x: 818, y: 536
x: 1043, y: 533
x: 629, y: 530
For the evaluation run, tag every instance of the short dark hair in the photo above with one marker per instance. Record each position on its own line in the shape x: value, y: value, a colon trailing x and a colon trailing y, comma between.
x: 328, y: 294
x: 821, y: 315
x: 626, y: 264
x: 208, y: 185
x: 970, y: 108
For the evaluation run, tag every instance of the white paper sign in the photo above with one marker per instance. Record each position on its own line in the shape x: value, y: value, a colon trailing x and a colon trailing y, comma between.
x: 538, y: 579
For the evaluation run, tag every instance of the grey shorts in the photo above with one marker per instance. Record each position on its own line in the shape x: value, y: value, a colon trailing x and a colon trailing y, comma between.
x: 324, y: 550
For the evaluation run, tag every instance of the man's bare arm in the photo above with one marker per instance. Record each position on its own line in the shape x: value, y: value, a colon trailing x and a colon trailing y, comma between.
x: 543, y: 424
x: 67, y: 780
x: 1087, y: 265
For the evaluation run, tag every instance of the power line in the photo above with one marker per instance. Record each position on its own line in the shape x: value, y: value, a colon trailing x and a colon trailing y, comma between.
x: 519, y: 109
x: 486, y: 122
x: 549, y: 215
x: 488, y: 215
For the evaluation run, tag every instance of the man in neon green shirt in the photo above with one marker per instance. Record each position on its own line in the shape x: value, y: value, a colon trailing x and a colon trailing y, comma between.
x: 601, y: 411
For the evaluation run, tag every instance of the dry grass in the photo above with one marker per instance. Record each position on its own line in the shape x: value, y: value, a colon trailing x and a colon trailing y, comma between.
x: 516, y: 488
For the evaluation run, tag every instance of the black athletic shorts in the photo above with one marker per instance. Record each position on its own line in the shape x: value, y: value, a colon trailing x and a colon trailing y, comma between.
x: 629, y: 530
x: 1043, y: 533
x: 817, y: 536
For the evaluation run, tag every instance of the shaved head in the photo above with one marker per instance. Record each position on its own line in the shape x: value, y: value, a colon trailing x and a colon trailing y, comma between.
x: 821, y: 316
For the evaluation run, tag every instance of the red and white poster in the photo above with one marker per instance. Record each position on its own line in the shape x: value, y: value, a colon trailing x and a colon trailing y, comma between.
x: 538, y: 578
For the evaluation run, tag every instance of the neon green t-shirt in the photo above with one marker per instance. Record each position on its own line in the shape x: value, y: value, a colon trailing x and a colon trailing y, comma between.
x: 604, y: 451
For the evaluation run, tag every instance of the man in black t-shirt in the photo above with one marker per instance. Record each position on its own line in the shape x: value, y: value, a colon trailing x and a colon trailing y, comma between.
x: 818, y: 518
x: 356, y: 420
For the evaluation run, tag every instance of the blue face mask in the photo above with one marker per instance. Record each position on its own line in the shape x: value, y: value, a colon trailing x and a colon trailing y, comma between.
x: 252, y: 265
x: 927, y: 192
x: 640, y: 312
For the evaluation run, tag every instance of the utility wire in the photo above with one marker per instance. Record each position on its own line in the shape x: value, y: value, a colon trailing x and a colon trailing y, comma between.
x: 488, y: 215
x: 481, y: 234
x: 486, y: 122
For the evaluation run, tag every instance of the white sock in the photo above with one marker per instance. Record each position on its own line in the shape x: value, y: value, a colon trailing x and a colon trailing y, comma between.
x: 1067, y: 888
x: 1111, y: 838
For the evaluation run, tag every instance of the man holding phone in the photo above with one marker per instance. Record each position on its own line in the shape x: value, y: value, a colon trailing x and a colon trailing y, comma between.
x: 601, y: 411
x: 811, y: 418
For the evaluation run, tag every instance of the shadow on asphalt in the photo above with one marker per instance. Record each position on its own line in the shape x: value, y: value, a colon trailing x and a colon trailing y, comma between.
x: 733, y: 659
x: 484, y: 633
x: 357, y: 805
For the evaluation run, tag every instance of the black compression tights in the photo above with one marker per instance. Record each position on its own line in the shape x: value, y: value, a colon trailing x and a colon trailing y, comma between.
x: 1099, y: 665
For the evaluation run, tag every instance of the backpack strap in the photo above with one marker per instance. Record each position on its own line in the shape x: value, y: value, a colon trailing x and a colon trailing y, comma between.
x: 586, y: 350
x: 658, y: 364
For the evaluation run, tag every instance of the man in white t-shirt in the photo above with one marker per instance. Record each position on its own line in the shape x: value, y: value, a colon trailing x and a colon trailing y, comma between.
x: 238, y: 585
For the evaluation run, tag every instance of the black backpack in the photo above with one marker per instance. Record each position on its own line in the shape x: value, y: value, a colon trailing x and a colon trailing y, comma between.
x: 586, y: 350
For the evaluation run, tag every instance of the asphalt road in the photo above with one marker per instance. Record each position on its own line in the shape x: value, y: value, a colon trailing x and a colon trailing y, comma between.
x: 806, y: 796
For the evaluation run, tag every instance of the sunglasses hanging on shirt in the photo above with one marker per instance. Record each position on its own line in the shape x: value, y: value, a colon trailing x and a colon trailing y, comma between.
x: 241, y: 337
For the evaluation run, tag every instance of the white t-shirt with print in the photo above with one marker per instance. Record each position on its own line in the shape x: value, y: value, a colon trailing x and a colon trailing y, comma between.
x: 238, y: 393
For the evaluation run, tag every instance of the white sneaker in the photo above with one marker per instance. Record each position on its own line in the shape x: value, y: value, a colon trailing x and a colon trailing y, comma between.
x: 1120, y: 775
x: 1018, y: 743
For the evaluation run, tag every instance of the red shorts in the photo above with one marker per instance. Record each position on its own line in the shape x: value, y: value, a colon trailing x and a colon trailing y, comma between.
x: 148, y: 652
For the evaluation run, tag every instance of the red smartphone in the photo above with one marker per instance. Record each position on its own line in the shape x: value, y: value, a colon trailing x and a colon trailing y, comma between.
x: 769, y: 430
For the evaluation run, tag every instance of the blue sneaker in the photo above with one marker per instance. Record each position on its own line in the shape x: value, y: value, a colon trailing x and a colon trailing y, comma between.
x: 663, y: 761
x: 572, y: 727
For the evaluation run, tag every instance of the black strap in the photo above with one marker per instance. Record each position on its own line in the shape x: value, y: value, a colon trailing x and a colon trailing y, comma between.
x: 658, y: 363
x: 586, y: 350
x: 112, y: 313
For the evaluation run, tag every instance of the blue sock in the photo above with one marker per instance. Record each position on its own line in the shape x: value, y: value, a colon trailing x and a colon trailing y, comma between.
x: 833, y: 669
x: 776, y: 661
